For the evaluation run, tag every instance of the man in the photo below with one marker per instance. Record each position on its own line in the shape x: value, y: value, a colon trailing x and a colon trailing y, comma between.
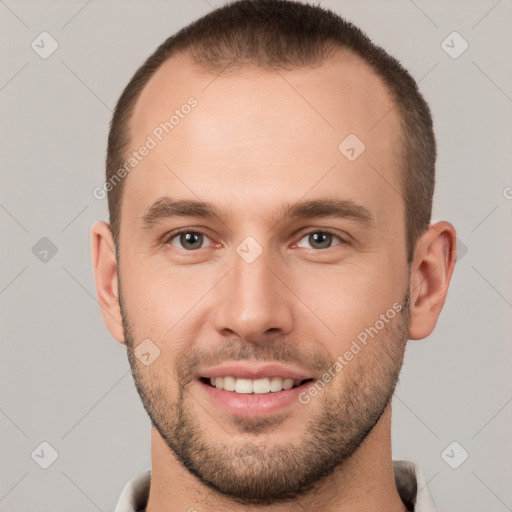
x: 270, y: 176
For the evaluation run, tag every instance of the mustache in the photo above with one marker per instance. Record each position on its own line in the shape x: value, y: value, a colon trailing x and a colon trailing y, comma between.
x: 268, y: 351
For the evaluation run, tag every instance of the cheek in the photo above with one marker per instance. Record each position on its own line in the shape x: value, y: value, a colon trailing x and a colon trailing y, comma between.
x: 157, y: 294
x: 166, y: 306
x: 348, y: 299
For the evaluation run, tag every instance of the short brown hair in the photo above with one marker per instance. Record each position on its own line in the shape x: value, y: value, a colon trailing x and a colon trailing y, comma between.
x: 286, y: 34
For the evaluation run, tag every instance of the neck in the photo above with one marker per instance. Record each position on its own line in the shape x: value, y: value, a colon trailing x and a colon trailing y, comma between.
x: 363, y: 482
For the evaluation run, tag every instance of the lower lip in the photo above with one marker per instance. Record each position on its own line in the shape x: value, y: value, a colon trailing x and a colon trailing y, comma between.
x: 253, y: 404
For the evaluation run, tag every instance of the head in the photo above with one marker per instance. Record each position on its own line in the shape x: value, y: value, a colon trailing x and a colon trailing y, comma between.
x: 279, y: 223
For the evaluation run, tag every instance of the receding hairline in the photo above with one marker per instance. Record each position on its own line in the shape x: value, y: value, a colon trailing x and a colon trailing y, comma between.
x: 338, y: 55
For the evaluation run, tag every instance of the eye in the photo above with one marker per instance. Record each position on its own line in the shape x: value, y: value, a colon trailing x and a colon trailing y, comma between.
x: 188, y: 240
x: 321, y: 239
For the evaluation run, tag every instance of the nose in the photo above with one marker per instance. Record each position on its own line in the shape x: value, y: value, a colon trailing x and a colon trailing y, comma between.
x: 253, y: 300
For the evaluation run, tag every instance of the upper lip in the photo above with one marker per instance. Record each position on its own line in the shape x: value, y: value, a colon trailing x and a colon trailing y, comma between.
x: 253, y: 371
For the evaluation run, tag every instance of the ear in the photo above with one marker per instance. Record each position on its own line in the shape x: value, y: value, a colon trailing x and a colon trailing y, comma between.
x: 105, y: 274
x: 431, y: 272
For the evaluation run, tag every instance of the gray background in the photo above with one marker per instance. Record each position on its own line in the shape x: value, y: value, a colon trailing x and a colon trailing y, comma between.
x: 65, y: 381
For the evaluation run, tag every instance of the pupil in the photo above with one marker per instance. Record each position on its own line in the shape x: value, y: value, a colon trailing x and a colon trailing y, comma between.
x: 320, y: 238
x: 190, y: 238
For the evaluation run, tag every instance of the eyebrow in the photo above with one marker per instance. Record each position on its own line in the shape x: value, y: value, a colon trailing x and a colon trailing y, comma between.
x: 166, y: 207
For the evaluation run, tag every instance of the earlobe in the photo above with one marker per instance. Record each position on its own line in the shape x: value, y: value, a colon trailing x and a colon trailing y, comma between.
x: 431, y: 272
x: 105, y: 274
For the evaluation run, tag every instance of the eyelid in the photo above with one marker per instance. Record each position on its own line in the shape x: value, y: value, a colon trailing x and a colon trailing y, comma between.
x: 343, y: 239
x: 171, y: 235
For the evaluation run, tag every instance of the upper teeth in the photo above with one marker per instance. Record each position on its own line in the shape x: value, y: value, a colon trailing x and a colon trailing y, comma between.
x: 264, y: 385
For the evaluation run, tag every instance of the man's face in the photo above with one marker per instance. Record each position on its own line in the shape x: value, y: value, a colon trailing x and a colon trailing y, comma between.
x: 256, y: 295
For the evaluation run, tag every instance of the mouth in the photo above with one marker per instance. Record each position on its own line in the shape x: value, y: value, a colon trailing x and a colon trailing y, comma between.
x: 262, y: 386
x: 252, y: 389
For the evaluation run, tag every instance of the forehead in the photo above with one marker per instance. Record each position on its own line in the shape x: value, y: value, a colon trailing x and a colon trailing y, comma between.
x: 268, y: 131
x: 344, y: 92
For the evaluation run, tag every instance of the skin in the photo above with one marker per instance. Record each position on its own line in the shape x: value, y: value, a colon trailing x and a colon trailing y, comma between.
x: 256, y: 140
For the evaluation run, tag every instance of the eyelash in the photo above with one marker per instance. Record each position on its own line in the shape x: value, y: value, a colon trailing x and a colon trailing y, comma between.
x: 171, y: 236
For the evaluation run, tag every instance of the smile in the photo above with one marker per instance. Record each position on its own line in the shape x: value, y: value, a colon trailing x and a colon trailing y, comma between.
x: 257, y: 386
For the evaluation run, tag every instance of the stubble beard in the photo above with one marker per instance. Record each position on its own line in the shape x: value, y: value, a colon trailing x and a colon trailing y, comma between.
x: 261, y: 471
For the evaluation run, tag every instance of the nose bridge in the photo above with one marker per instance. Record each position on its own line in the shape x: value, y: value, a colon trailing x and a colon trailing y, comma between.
x: 253, y: 299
